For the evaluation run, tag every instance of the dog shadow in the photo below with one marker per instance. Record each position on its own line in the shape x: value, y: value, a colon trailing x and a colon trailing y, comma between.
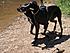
x: 51, y: 41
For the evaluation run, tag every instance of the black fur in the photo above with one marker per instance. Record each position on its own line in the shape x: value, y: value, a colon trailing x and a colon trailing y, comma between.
x: 41, y: 15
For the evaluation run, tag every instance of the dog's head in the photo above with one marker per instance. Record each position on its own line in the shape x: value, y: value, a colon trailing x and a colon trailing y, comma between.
x: 25, y: 7
x: 28, y: 9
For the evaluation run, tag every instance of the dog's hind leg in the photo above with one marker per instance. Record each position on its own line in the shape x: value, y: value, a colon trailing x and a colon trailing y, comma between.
x: 55, y: 21
x: 60, y: 23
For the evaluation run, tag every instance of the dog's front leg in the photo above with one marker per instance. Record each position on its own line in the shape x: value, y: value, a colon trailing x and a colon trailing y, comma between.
x: 32, y: 26
x: 37, y: 31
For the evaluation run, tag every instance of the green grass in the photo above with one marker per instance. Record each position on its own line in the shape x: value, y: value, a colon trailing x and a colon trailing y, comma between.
x: 64, y: 5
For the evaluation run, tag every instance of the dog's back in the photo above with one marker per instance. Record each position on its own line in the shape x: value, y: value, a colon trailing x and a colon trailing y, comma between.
x: 53, y: 11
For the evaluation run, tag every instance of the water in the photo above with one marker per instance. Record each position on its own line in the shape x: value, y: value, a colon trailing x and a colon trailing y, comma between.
x: 8, y: 13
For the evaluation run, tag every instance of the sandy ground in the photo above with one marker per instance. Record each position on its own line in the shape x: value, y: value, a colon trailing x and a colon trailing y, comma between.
x: 17, y: 39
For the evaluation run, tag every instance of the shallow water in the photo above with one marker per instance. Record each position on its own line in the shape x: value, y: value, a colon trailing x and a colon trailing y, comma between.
x: 7, y: 14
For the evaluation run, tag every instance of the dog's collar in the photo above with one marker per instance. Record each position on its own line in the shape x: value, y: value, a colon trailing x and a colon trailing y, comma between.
x: 36, y: 12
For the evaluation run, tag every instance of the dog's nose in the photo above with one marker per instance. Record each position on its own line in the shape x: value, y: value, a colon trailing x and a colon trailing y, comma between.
x: 18, y: 9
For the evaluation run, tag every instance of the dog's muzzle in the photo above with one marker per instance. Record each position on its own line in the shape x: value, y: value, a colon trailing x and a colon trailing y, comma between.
x: 19, y: 10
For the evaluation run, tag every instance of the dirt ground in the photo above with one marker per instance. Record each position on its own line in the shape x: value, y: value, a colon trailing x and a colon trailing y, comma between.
x: 16, y: 38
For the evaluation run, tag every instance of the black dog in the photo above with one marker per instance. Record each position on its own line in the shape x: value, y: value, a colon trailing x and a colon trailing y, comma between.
x: 41, y: 15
